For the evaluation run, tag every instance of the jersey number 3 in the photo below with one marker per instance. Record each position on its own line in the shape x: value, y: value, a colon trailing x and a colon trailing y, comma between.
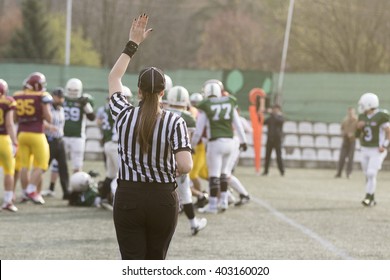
x: 221, y: 111
x: 367, y: 134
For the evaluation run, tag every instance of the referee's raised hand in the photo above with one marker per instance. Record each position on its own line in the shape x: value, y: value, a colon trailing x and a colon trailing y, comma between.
x: 138, y: 31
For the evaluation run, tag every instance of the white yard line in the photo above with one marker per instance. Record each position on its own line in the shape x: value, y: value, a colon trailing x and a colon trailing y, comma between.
x: 308, y: 232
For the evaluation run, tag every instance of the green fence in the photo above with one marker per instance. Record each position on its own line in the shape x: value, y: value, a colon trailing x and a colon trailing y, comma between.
x: 306, y: 96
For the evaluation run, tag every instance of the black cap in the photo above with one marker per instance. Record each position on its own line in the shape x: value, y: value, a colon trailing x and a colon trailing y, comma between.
x: 151, y: 80
x: 59, y: 91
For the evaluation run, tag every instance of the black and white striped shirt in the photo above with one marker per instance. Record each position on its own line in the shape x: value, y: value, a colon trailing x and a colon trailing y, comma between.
x: 159, y: 164
x: 58, y: 120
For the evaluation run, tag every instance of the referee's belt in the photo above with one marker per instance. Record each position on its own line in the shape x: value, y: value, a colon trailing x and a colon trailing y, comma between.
x: 54, y: 139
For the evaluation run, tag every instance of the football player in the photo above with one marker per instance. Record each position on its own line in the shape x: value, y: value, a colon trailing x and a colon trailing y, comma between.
x: 178, y: 100
x: 8, y: 144
x: 32, y: 107
x: 373, y: 130
x: 110, y: 142
x: 77, y: 105
x: 199, y: 169
x: 219, y: 115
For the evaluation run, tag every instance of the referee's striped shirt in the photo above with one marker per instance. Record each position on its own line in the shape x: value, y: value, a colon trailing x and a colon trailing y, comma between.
x: 58, y: 120
x: 170, y: 136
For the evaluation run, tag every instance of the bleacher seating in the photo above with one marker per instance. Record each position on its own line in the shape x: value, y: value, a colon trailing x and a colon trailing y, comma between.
x: 306, y: 141
x: 93, y: 146
x: 309, y: 154
x: 336, y: 142
x: 93, y: 132
x: 320, y: 128
x: 293, y: 154
x: 334, y: 129
x: 322, y: 142
x: 324, y: 155
x: 290, y: 127
x: 291, y: 140
x: 305, y: 128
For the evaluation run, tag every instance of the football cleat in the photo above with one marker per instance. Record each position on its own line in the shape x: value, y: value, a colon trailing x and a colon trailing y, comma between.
x: 202, y: 202
x: 369, y: 200
x: 243, y: 200
x: 48, y: 193
x: 10, y: 207
x: 201, y: 224
x: 223, y: 205
x: 36, y: 198
x: 208, y: 209
x: 24, y: 198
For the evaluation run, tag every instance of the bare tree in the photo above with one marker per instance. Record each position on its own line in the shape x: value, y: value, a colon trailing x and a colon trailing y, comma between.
x: 341, y: 36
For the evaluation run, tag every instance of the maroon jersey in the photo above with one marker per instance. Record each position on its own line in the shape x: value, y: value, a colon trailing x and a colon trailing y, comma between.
x: 29, y: 110
x: 7, y: 103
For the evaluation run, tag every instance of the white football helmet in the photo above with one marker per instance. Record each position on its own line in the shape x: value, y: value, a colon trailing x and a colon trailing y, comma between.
x: 168, y: 83
x: 196, y: 98
x: 74, y: 88
x: 212, y: 90
x: 127, y: 92
x: 79, y: 182
x: 3, y: 87
x: 368, y: 101
x: 178, y: 96
x: 214, y: 81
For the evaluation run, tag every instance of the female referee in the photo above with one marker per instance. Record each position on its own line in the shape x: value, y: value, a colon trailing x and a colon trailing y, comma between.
x: 153, y: 148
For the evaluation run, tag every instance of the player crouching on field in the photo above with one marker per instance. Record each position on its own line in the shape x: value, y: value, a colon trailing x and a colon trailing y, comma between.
x: 83, y: 190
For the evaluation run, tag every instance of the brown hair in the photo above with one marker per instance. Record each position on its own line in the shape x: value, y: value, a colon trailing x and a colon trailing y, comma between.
x: 147, y: 120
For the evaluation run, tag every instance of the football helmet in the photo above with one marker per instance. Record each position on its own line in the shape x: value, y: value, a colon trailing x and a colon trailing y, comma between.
x: 80, y: 182
x: 196, y: 98
x: 36, y: 82
x: 212, y: 89
x: 74, y: 88
x: 368, y: 101
x: 3, y: 87
x: 168, y: 83
x: 127, y: 92
x: 178, y: 96
x: 214, y: 81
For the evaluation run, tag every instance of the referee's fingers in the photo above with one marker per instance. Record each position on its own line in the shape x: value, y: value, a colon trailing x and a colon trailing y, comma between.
x: 147, y: 32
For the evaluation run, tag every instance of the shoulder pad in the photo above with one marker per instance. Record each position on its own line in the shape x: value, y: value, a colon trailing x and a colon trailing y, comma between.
x: 46, y: 97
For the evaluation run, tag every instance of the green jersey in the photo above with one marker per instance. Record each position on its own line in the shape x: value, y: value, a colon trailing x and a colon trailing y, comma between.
x: 107, y: 124
x: 187, y: 117
x: 219, y: 112
x: 372, y: 134
x: 74, y: 110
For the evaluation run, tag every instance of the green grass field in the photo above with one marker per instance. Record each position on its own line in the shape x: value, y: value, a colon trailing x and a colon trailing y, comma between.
x: 308, y: 214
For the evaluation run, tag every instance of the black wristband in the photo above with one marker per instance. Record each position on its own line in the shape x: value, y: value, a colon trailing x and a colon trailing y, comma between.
x: 130, y: 48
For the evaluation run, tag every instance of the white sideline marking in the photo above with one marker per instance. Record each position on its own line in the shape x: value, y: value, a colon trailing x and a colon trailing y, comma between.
x: 325, y: 243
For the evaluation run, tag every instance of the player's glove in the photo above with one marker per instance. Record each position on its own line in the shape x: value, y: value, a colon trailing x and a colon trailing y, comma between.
x: 83, y: 100
x: 243, y: 147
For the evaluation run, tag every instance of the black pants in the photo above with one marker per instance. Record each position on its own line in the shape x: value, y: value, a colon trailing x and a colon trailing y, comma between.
x: 274, y: 144
x: 145, y: 218
x: 57, y: 151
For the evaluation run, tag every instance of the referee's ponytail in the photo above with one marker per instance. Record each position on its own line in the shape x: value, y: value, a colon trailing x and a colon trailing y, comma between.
x: 147, y: 120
